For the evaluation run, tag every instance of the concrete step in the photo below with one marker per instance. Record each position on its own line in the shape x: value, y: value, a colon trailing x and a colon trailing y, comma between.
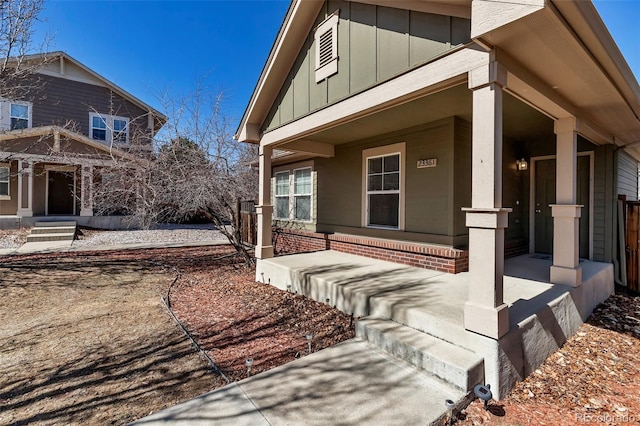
x: 453, y: 364
x: 55, y: 223
x: 53, y: 230
x: 32, y: 238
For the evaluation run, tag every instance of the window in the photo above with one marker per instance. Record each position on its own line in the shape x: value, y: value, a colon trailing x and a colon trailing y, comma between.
x: 4, y: 181
x: 383, y: 184
x: 293, y: 190
x: 19, y: 114
x: 109, y: 128
x: 326, y: 40
x: 282, y: 195
x: 302, y: 194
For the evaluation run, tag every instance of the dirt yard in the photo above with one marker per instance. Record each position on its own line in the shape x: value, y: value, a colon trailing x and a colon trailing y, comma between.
x: 85, y: 338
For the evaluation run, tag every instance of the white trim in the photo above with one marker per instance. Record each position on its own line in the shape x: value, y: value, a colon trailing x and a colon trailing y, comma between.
x: 55, y: 168
x: 532, y: 198
x: 109, y: 128
x: 384, y: 151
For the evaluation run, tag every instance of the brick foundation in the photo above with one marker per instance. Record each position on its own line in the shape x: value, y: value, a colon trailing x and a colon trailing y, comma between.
x: 516, y: 247
x: 421, y: 255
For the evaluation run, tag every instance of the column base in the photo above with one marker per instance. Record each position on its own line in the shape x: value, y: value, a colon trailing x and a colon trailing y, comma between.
x: 86, y: 212
x: 490, y: 322
x: 566, y: 276
x: 264, y: 252
x: 24, y: 213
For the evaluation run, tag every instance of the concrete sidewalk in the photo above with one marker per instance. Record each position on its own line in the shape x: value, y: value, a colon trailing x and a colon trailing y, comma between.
x: 351, y: 383
x: 67, y: 246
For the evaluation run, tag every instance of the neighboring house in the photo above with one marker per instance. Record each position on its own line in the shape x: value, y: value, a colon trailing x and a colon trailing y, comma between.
x: 446, y: 135
x: 58, y: 135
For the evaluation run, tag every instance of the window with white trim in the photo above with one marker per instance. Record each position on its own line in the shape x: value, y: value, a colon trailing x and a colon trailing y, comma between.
x: 326, y: 42
x: 282, y: 195
x: 4, y: 182
x: 109, y: 128
x: 383, y: 186
x: 19, y: 116
x: 302, y: 194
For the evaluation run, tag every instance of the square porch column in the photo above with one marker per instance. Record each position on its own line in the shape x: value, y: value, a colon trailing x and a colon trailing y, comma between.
x: 86, y: 191
x: 566, y: 213
x: 264, y: 209
x: 485, y: 311
x: 25, y: 184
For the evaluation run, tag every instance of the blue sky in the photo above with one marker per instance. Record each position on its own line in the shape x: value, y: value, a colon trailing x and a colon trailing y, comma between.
x: 149, y: 46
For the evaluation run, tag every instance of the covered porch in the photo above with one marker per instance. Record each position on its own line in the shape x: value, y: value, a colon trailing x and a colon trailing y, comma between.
x: 542, y: 315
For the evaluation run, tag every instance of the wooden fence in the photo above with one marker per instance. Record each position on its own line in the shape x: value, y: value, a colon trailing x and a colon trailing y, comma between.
x: 247, y: 222
x: 633, y: 245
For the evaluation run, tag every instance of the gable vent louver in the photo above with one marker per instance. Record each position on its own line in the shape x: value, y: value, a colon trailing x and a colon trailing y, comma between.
x: 326, y: 47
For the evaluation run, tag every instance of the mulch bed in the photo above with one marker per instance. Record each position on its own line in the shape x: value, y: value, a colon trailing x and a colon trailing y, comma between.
x: 594, y: 378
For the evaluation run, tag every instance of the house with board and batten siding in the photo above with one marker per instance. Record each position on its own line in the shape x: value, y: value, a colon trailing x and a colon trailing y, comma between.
x: 448, y: 135
x: 59, y: 135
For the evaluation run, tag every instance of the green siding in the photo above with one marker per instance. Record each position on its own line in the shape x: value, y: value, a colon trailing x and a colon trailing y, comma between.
x: 430, y: 193
x: 627, y: 176
x: 375, y: 44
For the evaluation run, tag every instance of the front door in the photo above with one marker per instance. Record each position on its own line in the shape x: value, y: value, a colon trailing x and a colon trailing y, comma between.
x: 545, y: 194
x: 60, y: 195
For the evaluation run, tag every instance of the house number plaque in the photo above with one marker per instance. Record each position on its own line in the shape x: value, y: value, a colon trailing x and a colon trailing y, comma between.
x: 427, y: 162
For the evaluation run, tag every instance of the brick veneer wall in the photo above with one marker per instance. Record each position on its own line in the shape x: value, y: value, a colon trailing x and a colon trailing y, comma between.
x: 516, y: 247
x: 428, y: 256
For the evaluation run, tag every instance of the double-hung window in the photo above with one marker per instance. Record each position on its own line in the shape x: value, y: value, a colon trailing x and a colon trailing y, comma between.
x: 282, y: 195
x: 19, y: 114
x: 383, y: 181
x: 302, y: 194
x: 4, y: 182
x: 108, y: 128
x: 293, y: 195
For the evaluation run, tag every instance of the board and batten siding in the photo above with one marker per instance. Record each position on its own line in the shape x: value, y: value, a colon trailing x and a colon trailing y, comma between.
x: 627, y: 176
x: 375, y: 44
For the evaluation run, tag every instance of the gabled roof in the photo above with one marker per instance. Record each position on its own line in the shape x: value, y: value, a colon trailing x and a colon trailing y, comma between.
x: 51, y: 57
x: 612, y: 101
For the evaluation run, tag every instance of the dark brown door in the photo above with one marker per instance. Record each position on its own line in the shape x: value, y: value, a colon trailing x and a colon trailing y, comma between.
x: 60, y: 198
x: 545, y: 181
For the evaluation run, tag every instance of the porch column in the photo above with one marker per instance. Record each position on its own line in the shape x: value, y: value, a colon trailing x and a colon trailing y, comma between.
x: 485, y: 311
x: 86, y: 191
x: 25, y: 189
x: 566, y: 213
x: 264, y: 209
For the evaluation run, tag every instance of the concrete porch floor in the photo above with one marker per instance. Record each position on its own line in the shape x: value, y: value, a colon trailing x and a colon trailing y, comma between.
x: 542, y: 315
x: 356, y: 382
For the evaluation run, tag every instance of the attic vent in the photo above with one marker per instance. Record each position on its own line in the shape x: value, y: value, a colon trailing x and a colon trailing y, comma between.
x: 326, y: 41
x: 326, y: 50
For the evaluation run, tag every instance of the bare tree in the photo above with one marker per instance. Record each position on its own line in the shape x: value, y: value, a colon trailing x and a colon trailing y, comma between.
x: 195, y: 170
x: 17, y: 67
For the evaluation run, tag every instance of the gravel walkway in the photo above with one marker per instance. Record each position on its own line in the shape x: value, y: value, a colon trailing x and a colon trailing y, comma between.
x: 163, y: 233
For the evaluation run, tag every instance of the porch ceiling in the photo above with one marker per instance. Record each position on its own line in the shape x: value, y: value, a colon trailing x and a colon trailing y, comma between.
x: 521, y: 122
x: 577, y: 62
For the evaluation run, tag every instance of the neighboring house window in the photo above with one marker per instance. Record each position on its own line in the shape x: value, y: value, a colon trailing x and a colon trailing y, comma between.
x: 302, y: 194
x: 282, y: 195
x: 108, y: 128
x: 384, y: 187
x: 326, y: 41
x: 19, y: 114
x: 4, y: 182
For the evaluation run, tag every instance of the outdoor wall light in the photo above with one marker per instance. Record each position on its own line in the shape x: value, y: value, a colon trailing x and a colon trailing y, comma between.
x: 484, y: 393
x: 521, y: 164
x: 309, y: 336
x: 249, y: 364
